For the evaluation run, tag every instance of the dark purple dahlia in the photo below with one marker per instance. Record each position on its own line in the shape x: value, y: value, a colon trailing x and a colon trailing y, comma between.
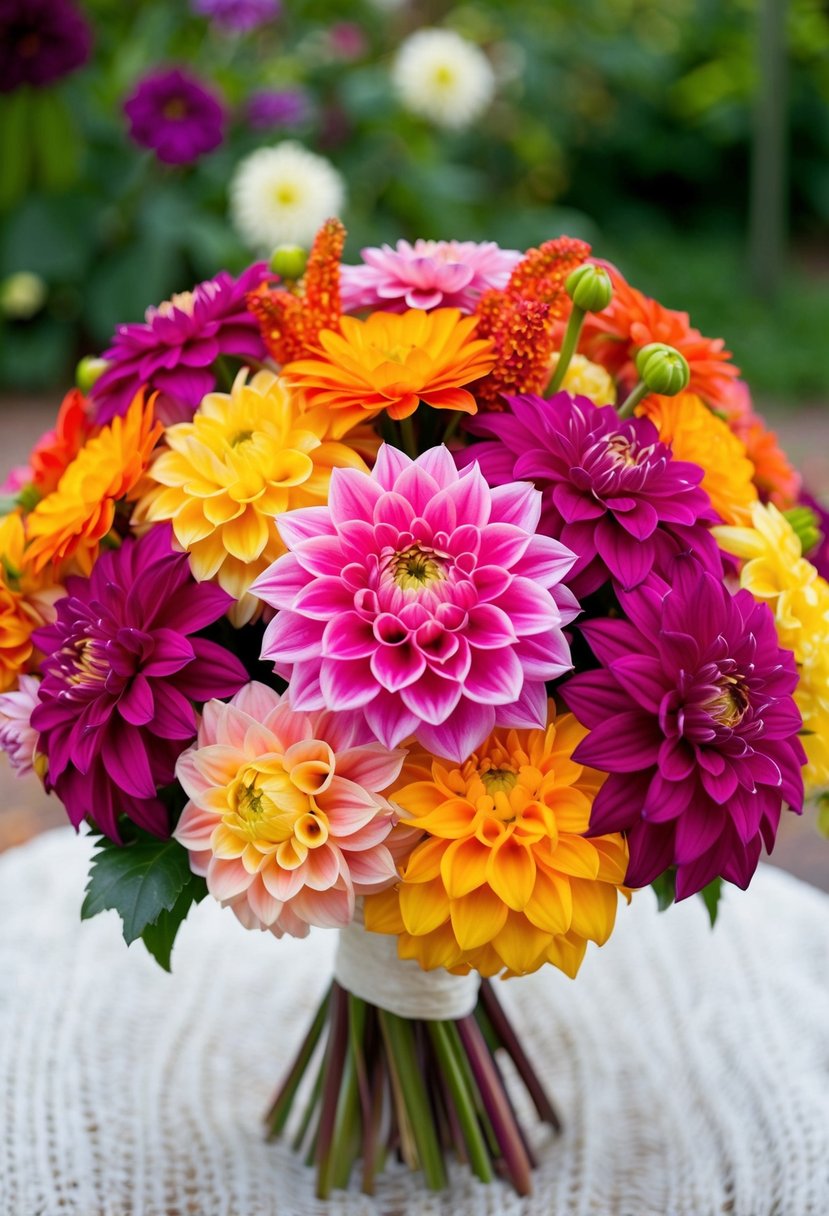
x: 173, y: 350
x: 120, y: 677
x: 692, y: 716
x: 611, y: 491
x: 40, y: 41
x: 173, y: 114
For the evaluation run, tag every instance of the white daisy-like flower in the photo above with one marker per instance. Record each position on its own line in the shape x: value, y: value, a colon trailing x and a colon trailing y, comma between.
x: 443, y: 77
x: 282, y: 195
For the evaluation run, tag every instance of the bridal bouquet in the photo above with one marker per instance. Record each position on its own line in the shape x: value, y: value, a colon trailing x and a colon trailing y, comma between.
x: 441, y: 600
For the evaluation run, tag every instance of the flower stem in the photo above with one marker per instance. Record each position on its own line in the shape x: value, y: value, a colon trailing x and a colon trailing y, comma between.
x: 335, y: 1064
x: 400, y: 1040
x: 451, y: 429
x: 462, y: 1100
x: 407, y: 436
x: 568, y: 347
x: 277, y: 1116
x: 632, y: 400
x: 512, y: 1045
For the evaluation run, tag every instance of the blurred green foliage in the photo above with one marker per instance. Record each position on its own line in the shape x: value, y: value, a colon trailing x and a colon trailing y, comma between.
x: 627, y: 122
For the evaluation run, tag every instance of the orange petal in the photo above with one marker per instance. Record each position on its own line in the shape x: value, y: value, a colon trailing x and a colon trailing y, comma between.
x: 424, y: 906
x: 521, y: 945
x: 463, y: 867
x: 551, y: 905
x: 511, y: 872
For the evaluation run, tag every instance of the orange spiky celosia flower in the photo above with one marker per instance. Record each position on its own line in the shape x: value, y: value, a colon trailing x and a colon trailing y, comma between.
x: 392, y: 362
x: 693, y: 433
x: 505, y: 877
x: 521, y: 320
x: 56, y: 450
x: 633, y: 320
x: 290, y: 323
x: 72, y: 521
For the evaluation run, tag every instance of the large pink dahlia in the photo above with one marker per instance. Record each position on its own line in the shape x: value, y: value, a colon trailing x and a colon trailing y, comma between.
x: 285, y: 819
x: 428, y: 274
x: 121, y: 673
x: 692, y: 716
x: 423, y: 598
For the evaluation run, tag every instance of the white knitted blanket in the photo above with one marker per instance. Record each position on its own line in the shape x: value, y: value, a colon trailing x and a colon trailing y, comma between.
x: 691, y: 1068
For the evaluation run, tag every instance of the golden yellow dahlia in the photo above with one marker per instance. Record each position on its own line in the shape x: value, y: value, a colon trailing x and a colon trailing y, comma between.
x: 586, y: 379
x: 226, y: 477
x: 693, y: 433
x: 504, y: 878
x: 72, y: 521
x: 775, y: 571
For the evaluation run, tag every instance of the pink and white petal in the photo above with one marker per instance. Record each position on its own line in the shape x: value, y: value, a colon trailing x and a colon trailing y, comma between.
x: 262, y: 903
x: 289, y: 638
x: 322, y: 867
x: 388, y: 466
x: 517, y: 503
x: 495, y: 677
x: 372, y: 766
x: 458, y: 737
x: 390, y: 720
x: 279, y: 584
x: 332, y: 909
x: 372, y: 870
x: 432, y: 699
x: 347, y: 806
x: 546, y: 561
x: 195, y: 827
x: 528, y: 711
x: 227, y: 879
x: 347, y: 683
x: 300, y: 525
x: 352, y: 495
x: 282, y: 884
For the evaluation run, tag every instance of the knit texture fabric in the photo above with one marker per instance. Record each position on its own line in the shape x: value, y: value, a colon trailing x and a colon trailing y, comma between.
x: 691, y: 1068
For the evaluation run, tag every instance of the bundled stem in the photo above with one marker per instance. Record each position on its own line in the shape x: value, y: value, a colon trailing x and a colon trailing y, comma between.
x: 427, y: 1089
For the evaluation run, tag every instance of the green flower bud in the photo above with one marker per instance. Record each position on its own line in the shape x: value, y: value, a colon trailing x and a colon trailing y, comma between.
x: 22, y: 295
x: 88, y: 371
x: 289, y: 262
x: 589, y: 287
x: 805, y: 524
x: 663, y: 369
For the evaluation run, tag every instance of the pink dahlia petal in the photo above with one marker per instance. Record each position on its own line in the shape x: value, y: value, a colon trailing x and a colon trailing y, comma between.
x: 465, y: 730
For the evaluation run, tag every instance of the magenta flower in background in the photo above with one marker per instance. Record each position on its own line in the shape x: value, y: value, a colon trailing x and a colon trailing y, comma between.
x: 18, y: 738
x: 692, y: 716
x: 427, y: 274
x: 173, y: 350
x: 120, y: 677
x: 423, y: 598
x: 238, y: 16
x: 270, y: 109
x: 175, y: 115
x: 347, y: 40
x: 612, y: 492
x: 40, y: 42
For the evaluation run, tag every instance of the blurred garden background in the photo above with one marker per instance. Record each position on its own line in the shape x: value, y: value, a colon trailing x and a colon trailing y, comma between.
x: 687, y: 140
x: 672, y: 134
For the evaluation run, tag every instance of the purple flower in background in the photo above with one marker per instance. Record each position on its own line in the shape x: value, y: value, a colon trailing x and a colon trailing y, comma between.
x: 240, y: 16
x: 40, y: 41
x: 173, y: 350
x: 427, y: 274
x: 611, y: 491
x: 270, y: 109
x: 692, y: 716
x: 120, y: 677
x: 173, y: 114
x: 347, y: 40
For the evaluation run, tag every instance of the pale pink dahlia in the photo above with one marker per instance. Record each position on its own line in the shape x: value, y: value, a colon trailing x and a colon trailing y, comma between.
x: 423, y: 598
x: 428, y: 274
x: 18, y: 738
x: 285, y: 819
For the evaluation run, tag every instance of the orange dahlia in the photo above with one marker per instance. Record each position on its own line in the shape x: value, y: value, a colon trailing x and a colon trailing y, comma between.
x: 504, y: 878
x: 56, y: 450
x: 72, y: 521
x: 633, y: 320
x: 392, y: 361
x: 693, y: 433
x: 25, y: 602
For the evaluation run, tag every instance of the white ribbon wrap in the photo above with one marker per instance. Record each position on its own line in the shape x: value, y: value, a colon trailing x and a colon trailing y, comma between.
x: 367, y: 965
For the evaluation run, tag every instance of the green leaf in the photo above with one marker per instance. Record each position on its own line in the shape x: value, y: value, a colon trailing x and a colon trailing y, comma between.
x: 140, y: 881
x: 160, y: 936
x: 711, y: 896
x: 664, y: 888
x: 55, y: 140
x: 15, y: 149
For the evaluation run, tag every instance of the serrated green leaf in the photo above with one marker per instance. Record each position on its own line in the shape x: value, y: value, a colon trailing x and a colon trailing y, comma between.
x: 160, y: 936
x: 711, y: 896
x: 139, y: 881
x: 664, y: 888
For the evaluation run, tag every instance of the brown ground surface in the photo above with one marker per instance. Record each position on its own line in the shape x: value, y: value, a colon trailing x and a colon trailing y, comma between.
x: 26, y: 810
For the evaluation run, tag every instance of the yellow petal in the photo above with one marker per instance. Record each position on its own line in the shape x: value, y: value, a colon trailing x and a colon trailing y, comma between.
x: 477, y: 917
x: 594, y: 909
x: 246, y: 536
x: 510, y: 872
x: 463, y: 867
x: 551, y: 905
x: 424, y: 863
x: 567, y: 953
x: 452, y: 819
x: 437, y: 949
x: 382, y: 912
x: 424, y: 906
x: 521, y: 945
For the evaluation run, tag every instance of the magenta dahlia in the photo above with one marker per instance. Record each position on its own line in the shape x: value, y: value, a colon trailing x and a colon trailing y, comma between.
x: 692, y: 716
x: 428, y: 274
x: 120, y: 676
x: 423, y: 598
x: 173, y: 114
x: 612, y: 492
x: 173, y: 350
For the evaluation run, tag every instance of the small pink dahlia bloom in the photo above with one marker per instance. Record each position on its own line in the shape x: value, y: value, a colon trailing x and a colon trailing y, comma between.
x: 285, y: 819
x: 18, y: 738
x: 423, y: 598
x: 428, y: 274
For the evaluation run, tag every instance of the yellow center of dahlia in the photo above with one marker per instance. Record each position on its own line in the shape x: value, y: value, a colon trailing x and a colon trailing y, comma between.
x: 90, y: 663
x: 416, y: 568
x: 729, y: 704
x: 184, y: 301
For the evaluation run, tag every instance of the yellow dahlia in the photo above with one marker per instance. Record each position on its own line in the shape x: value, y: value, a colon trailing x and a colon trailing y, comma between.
x: 226, y: 477
x: 504, y: 878
x: 694, y: 433
x: 586, y: 379
x: 72, y: 521
x: 775, y: 571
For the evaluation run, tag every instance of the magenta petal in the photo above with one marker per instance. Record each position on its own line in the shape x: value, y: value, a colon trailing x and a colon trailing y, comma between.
x: 592, y: 696
x: 347, y: 683
x: 396, y: 667
x: 217, y: 672
x: 388, y: 466
x: 432, y: 698
x: 389, y: 719
x: 290, y: 638
x: 489, y: 627
x: 618, y: 804
x: 628, y: 560
x: 644, y: 679
x: 171, y: 652
x: 126, y: 761
x: 495, y: 677
x: 175, y: 717
x: 626, y: 743
x: 348, y: 636
x: 651, y: 849
x: 281, y: 582
x: 136, y: 703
